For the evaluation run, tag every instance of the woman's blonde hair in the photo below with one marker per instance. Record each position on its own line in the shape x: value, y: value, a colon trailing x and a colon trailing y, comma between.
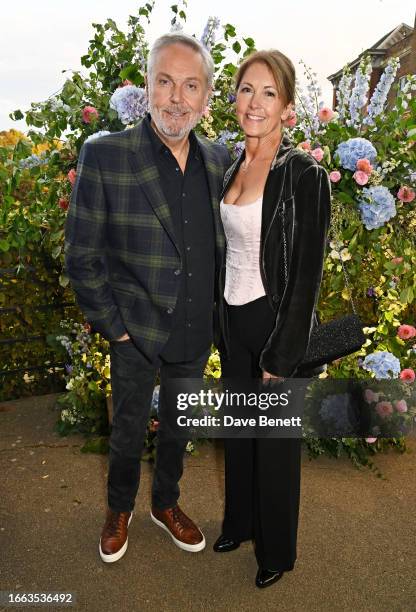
x: 280, y: 66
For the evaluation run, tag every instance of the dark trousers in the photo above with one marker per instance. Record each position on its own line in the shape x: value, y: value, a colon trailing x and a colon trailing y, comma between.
x: 132, y: 383
x: 262, y: 476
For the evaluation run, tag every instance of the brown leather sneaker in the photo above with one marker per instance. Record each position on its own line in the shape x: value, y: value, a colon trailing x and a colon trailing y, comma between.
x: 114, y: 540
x: 182, y: 530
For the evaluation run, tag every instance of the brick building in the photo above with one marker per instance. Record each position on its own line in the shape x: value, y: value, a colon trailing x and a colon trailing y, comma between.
x: 401, y: 43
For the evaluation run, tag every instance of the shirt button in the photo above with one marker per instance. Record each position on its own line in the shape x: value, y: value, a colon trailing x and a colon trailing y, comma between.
x: 177, y: 169
x: 177, y: 272
x: 186, y: 221
x: 169, y: 310
x: 188, y: 324
x: 188, y: 248
x: 189, y: 299
x: 184, y: 195
x: 189, y: 273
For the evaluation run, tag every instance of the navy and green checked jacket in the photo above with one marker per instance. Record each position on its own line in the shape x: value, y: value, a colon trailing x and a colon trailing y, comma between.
x: 121, y: 252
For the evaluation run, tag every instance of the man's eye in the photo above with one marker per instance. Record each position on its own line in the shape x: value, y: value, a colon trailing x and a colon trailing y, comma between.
x: 163, y: 81
x: 192, y: 86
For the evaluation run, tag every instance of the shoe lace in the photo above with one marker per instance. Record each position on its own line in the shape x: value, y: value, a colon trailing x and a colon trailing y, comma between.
x: 115, y: 524
x: 180, y: 519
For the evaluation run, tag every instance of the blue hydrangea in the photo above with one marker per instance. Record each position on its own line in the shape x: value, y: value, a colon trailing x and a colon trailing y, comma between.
x: 350, y: 151
x: 130, y: 102
x: 382, y: 364
x: 377, y: 206
x: 97, y: 135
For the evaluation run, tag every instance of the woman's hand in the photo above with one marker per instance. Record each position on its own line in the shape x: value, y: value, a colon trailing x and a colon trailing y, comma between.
x: 268, y: 376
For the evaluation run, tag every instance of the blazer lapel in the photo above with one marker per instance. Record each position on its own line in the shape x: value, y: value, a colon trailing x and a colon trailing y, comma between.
x: 147, y: 176
x: 214, y: 174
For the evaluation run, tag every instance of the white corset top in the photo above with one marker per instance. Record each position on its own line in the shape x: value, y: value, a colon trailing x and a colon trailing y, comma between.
x: 242, y: 227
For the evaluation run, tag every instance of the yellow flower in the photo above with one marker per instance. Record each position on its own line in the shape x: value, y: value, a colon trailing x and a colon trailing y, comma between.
x: 11, y: 137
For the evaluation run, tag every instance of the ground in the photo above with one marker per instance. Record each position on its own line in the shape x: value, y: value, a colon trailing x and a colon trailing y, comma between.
x: 355, y: 547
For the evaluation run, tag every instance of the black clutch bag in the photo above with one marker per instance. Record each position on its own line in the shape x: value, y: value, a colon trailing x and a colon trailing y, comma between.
x: 332, y: 340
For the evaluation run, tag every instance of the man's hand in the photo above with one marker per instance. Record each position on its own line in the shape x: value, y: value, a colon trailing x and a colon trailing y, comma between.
x: 268, y: 376
x: 123, y: 338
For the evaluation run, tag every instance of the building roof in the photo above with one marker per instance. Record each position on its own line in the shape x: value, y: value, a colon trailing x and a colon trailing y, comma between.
x: 379, y: 48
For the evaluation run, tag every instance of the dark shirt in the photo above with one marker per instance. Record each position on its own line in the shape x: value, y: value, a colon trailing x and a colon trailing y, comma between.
x: 190, y: 206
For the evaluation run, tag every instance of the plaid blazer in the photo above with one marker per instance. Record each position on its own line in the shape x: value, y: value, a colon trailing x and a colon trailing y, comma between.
x: 121, y: 252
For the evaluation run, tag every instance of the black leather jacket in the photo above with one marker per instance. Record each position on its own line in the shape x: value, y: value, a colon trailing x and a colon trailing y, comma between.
x: 297, y: 197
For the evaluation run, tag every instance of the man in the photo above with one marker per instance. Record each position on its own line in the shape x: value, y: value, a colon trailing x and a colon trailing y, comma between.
x: 143, y: 246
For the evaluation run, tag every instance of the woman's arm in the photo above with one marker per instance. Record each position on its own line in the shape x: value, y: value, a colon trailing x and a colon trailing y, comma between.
x: 289, y: 339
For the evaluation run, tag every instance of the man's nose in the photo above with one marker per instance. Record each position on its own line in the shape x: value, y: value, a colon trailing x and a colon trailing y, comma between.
x: 176, y: 93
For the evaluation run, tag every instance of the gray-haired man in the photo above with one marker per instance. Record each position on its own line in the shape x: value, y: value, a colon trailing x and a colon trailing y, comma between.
x: 144, y: 244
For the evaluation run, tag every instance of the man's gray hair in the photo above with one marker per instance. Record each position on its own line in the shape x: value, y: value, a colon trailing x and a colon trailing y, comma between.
x: 184, y: 39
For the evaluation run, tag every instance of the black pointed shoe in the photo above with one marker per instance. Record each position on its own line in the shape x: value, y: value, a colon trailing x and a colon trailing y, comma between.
x: 267, y: 577
x: 224, y: 544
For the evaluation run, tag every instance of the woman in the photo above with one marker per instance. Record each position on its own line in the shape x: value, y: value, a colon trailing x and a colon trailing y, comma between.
x: 270, y: 292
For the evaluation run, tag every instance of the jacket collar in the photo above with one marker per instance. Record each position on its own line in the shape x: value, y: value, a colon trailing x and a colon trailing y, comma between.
x: 147, y: 175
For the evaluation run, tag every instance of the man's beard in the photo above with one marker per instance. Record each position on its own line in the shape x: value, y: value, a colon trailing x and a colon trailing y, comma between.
x: 170, y: 129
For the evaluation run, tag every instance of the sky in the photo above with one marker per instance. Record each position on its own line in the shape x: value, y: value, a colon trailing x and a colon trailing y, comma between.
x: 41, y: 39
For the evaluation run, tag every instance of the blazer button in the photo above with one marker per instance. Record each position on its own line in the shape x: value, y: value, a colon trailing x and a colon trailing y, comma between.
x: 169, y: 310
x: 177, y: 272
x: 275, y: 297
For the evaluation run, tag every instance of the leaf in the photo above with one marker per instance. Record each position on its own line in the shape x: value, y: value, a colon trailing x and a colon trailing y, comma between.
x: 4, y: 245
x: 237, y: 47
x: 249, y: 42
x: 406, y: 296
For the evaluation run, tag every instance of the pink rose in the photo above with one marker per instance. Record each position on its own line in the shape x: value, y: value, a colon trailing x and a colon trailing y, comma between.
x: 317, y: 154
x: 370, y: 396
x: 125, y: 83
x: 89, y: 114
x: 72, y: 175
x: 384, y: 409
x: 364, y: 165
x: 371, y: 440
x: 360, y: 177
x: 400, y: 405
x: 306, y: 146
x: 325, y: 114
x: 397, y: 260
x: 406, y: 331
x: 335, y: 176
x: 406, y: 194
x: 291, y: 120
x: 407, y: 375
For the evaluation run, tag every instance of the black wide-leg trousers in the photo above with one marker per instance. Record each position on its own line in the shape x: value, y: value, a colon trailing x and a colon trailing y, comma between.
x: 262, y: 476
x: 132, y: 383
